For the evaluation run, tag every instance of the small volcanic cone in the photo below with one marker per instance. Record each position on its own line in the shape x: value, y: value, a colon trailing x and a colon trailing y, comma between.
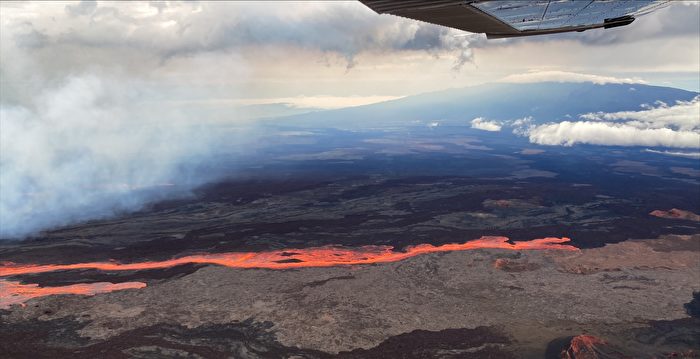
x: 589, y: 347
x: 676, y: 213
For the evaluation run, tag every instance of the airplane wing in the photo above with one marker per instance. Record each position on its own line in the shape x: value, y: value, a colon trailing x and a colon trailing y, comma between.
x: 499, y: 18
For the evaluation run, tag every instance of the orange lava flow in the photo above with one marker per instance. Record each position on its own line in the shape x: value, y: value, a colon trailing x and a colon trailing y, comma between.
x: 328, y: 256
x: 17, y: 293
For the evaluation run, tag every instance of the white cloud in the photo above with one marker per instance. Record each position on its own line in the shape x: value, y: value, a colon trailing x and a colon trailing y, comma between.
x: 522, y: 121
x: 612, y: 134
x: 676, y: 126
x: 684, y: 115
x: 176, y: 29
x: 675, y: 153
x: 483, y: 124
x: 565, y: 76
x: 521, y: 126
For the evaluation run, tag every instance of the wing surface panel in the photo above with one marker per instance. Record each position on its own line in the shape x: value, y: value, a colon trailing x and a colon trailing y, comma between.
x: 512, y: 18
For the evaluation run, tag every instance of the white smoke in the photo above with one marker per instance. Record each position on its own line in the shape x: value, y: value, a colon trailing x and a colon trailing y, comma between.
x: 88, y: 148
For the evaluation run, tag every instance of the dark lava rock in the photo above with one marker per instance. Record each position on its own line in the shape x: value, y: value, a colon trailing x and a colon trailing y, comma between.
x: 481, y: 342
x: 693, y: 307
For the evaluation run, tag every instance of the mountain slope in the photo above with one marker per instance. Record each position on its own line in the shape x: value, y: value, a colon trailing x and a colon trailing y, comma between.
x: 545, y: 102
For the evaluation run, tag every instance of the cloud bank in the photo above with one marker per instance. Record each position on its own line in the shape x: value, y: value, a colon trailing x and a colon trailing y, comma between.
x: 684, y: 115
x: 181, y: 29
x: 565, y: 76
x: 568, y: 133
x: 676, y: 126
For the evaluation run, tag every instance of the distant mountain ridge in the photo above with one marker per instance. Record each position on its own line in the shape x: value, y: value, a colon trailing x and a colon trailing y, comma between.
x: 544, y: 102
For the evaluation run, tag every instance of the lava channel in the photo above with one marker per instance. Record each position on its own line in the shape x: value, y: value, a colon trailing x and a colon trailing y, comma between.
x: 17, y: 293
x: 327, y: 256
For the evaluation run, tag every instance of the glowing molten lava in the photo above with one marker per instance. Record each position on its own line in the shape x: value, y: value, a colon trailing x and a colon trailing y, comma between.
x: 16, y: 293
x: 329, y: 256
x: 308, y: 257
x: 589, y: 347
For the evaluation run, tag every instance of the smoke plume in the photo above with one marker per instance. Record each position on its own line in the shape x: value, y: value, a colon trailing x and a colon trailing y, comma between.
x: 88, y: 148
